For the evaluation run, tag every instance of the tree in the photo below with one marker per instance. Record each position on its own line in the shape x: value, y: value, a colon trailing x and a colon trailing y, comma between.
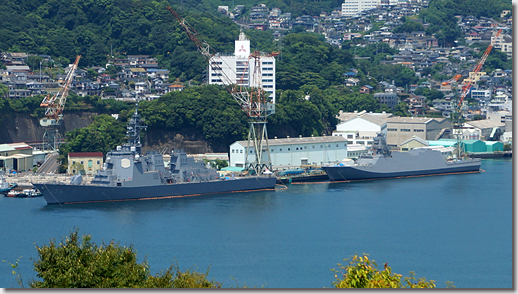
x: 430, y: 94
x: 401, y: 109
x: 103, y: 135
x: 75, y: 264
x: 363, y: 273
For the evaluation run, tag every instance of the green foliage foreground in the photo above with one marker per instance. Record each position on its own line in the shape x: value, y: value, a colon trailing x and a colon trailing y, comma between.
x: 75, y: 264
x: 363, y: 273
x: 71, y: 264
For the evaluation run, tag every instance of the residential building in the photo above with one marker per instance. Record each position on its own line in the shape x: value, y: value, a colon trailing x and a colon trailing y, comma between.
x: 290, y: 152
x: 503, y: 43
x: 474, y: 77
x: 89, y: 162
x: 480, y: 94
x: 352, y: 8
x: 241, y: 70
x: 400, y: 129
x: 388, y: 98
x: 366, y: 89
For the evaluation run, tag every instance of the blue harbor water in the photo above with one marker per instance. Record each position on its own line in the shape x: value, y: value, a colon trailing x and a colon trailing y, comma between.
x: 446, y: 228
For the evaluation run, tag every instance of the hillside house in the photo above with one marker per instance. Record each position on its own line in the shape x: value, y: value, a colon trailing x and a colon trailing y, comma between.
x: 366, y: 89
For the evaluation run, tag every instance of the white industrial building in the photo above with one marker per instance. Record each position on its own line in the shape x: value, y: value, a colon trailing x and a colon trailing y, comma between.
x: 361, y: 127
x: 240, y: 68
x: 352, y: 8
x: 299, y: 151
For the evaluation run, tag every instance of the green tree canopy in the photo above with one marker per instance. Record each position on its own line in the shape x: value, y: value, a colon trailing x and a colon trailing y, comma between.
x: 75, y: 263
x: 364, y: 273
x: 103, y: 135
x: 430, y: 94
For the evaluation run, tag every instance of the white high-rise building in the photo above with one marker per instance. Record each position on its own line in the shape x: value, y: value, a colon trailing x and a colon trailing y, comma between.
x: 240, y: 67
x: 352, y: 8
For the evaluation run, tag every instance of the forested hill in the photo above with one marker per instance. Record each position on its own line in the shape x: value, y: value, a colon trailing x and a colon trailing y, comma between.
x: 309, y: 71
x: 94, y: 28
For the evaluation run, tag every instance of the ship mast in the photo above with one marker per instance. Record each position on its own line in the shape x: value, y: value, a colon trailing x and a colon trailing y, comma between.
x: 133, y: 130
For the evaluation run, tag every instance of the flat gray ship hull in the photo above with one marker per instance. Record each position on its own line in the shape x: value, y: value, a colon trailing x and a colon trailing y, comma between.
x: 66, y: 194
x: 417, y: 163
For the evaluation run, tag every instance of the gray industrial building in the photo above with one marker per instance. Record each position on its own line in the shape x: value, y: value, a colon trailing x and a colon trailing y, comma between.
x: 299, y: 151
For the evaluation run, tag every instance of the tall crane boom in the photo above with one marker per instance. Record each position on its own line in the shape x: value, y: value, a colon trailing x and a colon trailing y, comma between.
x: 467, y: 87
x: 251, y: 99
x: 204, y: 48
x: 457, y: 119
x: 54, y: 105
x: 240, y: 93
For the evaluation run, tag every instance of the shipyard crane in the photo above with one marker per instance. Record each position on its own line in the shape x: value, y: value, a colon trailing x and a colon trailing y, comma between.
x: 452, y: 80
x: 252, y: 100
x: 466, y: 87
x: 54, y: 106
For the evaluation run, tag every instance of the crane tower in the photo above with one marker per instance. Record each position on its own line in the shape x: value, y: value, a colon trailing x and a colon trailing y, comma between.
x: 54, y: 106
x: 458, y: 106
x: 252, y: 100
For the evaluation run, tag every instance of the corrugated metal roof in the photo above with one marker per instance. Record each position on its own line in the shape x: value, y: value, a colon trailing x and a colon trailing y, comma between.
x: 85, y: 154
x: 484, y: 124
x: 492, y: 142
x: 376, y: 118
x: 303, y: 140
x: 5, y: 147
x: 19, y: 145
x: 445, y: 143
x: 413, y: 120
x: 418, y: 139
x: 20, y: 156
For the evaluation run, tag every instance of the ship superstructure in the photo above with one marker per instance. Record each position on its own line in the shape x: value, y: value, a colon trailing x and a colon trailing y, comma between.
x: 129, y: 175
x: 381, y: 163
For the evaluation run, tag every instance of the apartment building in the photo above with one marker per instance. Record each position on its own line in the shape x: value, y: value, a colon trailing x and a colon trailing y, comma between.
x: 241, y: 70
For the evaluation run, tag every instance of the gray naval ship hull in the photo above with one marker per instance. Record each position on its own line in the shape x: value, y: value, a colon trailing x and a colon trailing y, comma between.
x: 66, y: 194
x: 402, y: 164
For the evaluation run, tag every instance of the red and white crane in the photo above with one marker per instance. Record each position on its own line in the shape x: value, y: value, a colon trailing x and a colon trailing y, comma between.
x: 457, y: 107
x: 54, y: 106
x: 252, y: 100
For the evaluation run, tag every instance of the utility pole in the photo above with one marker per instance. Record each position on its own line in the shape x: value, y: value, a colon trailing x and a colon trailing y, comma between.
x: 40, y: 71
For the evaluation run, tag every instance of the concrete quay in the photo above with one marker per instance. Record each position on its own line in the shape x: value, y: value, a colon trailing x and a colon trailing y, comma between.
x: 25, y: 180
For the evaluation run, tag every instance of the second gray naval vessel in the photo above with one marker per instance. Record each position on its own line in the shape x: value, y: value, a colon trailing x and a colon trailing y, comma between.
x: 129, y: 175
x: 382, y: 163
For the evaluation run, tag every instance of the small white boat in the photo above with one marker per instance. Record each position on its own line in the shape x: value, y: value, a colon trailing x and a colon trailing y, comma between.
x: 5, y: 187
x: 25, y: 193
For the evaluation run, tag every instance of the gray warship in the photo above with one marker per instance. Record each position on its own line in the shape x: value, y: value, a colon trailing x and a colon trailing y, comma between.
x: 129, y: 175
x: 381, y: 163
